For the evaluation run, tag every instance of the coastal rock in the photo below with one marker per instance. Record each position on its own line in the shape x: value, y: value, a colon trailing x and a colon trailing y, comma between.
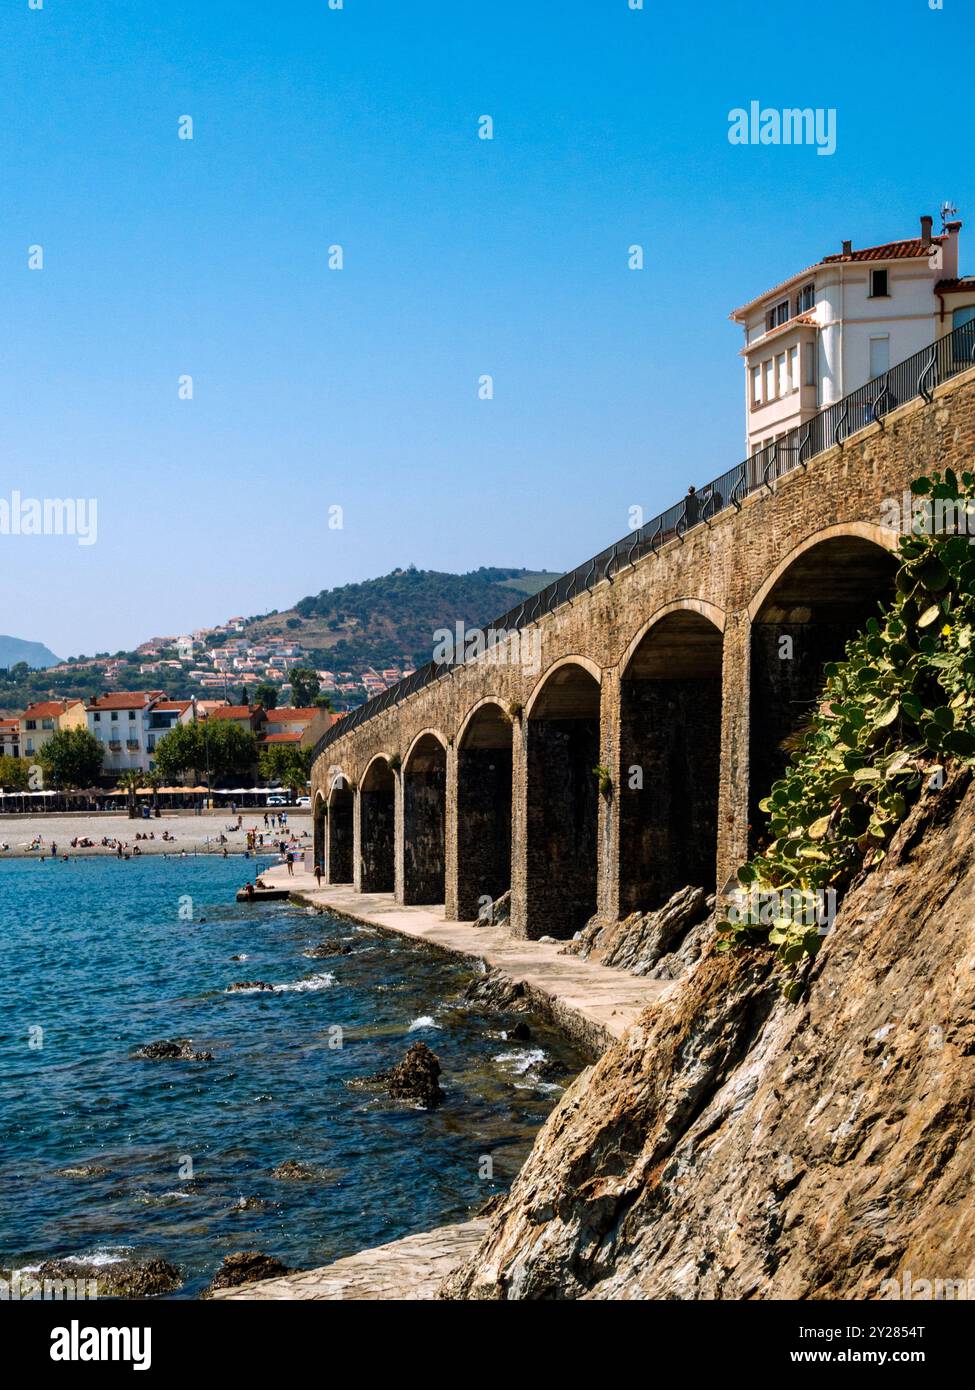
x: 245, y: 1267
x: 492, y: 990
x: 249, y: 1204
x: 734, y: 1145
x: 324, y: 949
x: 247, y: 986
x: 167, y: 1049
x: 122, y: 1279
x: 643, y: 939
x: 83, y: 1170
x: 415, y: 1078
x: 293, y: 1171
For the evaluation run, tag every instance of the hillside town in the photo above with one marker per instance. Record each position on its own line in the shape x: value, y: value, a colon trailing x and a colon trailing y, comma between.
x: 224, y: 657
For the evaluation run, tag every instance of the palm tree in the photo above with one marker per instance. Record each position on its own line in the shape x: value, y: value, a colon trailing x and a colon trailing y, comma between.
x: 154, y: 780
x: 130, y: 782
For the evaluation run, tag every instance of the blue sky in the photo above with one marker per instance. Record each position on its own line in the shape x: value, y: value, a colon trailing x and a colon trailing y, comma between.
x: 358, y: 387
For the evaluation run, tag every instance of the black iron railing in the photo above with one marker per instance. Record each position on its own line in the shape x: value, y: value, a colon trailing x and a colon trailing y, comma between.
x: 916, y: 376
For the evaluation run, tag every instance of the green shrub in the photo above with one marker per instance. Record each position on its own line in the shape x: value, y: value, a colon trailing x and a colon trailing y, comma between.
x: 895, y: 710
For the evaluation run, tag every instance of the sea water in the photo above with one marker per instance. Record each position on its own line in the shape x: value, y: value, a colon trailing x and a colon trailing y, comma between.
x: 100, y: 956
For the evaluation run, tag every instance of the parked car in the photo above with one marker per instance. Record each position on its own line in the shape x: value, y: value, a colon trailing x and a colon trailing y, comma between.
x: 278, y: 799
x: 303, y: 801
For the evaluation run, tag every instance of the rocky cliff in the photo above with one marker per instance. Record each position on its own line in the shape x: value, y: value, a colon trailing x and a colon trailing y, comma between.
x: 735, y: 1145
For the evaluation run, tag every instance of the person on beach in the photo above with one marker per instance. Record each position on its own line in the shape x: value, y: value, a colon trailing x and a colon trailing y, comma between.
x: 318, y: 873
x: 290, y: 861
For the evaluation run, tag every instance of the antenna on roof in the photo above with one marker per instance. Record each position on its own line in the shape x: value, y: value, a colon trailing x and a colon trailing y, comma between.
x: 948, y: 210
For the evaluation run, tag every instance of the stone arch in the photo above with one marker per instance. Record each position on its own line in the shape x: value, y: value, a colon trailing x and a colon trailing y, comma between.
x: 584, y: 662
x: 425, y: 818
x: 802, y: 616
x: 562, y: 740
x: 377, y: 826
x: 340, y: 830
x: 483, y: 806
x: 714, y: 615
x: 670, y: 756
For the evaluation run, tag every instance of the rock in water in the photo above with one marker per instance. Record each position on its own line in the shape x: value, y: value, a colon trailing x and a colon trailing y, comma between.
x: 172, y: 1049
x: 293, y: 1171
x: 325, y: 949
x: 736, y: 1146
x: 248, y: 985
x: 123, y: 1279
x: 246, y: 1267
x: 415, y: 1078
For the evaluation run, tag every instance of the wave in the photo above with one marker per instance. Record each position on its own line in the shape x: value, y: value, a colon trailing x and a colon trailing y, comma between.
x: 521, y: 1060
x: 424, y: 1021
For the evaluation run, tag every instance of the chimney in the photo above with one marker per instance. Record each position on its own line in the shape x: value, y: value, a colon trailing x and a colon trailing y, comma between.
x: 848, y: 248
x: 926, y: 224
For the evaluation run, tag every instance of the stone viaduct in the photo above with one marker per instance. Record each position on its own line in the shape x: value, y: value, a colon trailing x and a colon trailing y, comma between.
x: 629, y: 759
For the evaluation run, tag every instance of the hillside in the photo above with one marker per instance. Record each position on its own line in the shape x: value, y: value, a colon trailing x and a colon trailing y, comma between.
x: 396, y: 615
x: 384, y: 622
x: 14, y: 650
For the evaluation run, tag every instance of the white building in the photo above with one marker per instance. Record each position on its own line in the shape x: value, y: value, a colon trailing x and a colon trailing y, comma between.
x: 848, y: 318
x: 129, y: 724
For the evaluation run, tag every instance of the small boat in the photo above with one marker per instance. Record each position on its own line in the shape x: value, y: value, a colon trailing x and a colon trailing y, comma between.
x: 263, y: 895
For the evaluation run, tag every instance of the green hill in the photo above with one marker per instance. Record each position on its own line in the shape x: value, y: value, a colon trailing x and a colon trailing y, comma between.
x: 394, y: 616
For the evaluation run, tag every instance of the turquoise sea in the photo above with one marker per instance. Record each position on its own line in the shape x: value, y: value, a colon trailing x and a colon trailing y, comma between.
x: 100, y: 956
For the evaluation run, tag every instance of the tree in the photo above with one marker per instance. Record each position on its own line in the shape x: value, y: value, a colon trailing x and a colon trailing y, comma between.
x: 220, y: 745
x: 72, y: 758
x: 154, y: 780
x: 323, y: 702
x: 286, y: 763
x: 266, y: 695
x: 14, y: 774
x: 305, y: 685
x: 130, y: 781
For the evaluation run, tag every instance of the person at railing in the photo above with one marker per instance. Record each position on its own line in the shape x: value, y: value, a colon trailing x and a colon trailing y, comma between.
x: 692, y: 508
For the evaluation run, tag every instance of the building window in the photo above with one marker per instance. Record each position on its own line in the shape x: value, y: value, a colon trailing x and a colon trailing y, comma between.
x: 131, y: 713
x: 878, y: 285
x: 98, y: 719
x: 805, y: 299
x: 777, y: 315
x: 879, y: 355
x: 756, y: 386
x: 31, y: 723
x: 770, y: 380
x: 114, y: 716
x: 780, y: 372
x: 794, y: 368
x: 810, y: 364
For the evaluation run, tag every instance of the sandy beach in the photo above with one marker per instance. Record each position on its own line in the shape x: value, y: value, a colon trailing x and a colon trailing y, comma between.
x: 191, y: 834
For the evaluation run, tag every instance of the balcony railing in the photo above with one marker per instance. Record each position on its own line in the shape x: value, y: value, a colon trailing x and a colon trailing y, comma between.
x: 915, y: 377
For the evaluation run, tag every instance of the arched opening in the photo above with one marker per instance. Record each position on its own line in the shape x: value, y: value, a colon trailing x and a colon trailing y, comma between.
x: 805, y: 620
x: 377, y: 803
x: 670, y: 746
x: 377, y: 827
x: 424, y: 821
x: 340, y: 833
x: 319, y: 825
x: 483, y: 810
x: 562, y: 749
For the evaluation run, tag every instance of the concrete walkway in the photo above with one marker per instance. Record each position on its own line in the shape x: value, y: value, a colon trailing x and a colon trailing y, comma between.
x: 405, y: 1269
x: 592, y: 1003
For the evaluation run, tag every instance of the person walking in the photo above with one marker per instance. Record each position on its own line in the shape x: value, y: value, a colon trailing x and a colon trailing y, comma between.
x: 290, y: 860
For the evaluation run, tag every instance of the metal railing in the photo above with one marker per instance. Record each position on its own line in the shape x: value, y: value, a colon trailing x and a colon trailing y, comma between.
x: 915, y: 377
